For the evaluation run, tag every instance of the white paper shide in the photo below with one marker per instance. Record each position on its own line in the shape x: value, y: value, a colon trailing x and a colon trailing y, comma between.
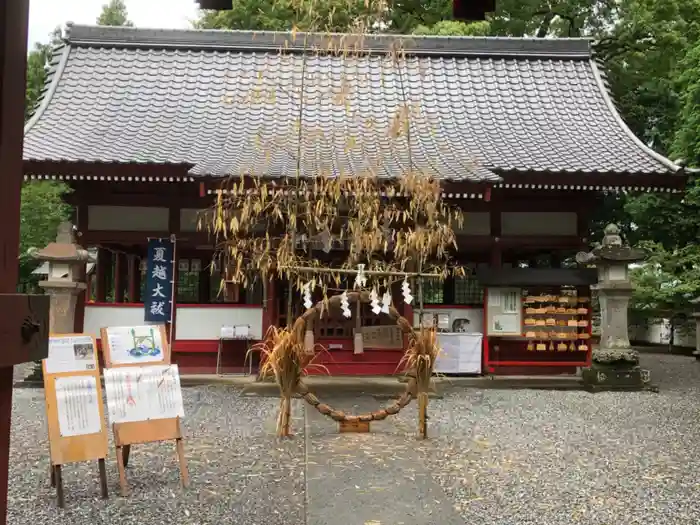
x: 71, y: 354
x: 78, y: 406
x: 143, y: 393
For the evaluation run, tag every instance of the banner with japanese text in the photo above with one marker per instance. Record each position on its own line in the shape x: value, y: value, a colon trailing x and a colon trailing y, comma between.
x: 158, y: 297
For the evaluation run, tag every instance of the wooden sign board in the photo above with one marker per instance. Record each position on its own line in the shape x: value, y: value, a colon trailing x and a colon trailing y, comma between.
x: 353, y: 426
x: 387, y: 337
x: 144, y: 399
x: 75, y: 414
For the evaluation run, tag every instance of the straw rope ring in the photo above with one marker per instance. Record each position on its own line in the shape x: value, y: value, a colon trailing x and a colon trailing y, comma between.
x: 314, y: 313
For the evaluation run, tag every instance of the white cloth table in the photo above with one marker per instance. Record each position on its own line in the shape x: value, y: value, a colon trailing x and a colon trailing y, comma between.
x: 461, y: 353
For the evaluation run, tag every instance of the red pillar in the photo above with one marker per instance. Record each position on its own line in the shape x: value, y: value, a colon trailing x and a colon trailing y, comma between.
x: 14, y: 19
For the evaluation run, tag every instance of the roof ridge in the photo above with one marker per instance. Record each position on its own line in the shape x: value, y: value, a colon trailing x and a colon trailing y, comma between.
x: 562, y: 48
x: 600, y: 82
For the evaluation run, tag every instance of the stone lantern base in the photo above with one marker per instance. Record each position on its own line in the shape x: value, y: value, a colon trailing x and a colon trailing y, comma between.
x: 616, y: 370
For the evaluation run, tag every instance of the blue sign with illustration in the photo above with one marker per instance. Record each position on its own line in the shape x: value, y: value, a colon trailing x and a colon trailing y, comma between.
x: 158, y: 298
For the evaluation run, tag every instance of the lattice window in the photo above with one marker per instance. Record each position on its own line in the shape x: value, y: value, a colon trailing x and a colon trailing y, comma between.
x: 188, y: 287
x: 142, y: 292
x: 433, y: 291
x: 468, y: 291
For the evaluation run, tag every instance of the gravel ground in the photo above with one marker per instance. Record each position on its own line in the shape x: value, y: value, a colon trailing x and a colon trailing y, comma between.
x: 508, y: 457
x: 548, y: 457
x: 239, y: 472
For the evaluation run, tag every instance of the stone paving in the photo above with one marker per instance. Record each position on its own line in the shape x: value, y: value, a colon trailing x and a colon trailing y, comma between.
x: 495, y: 457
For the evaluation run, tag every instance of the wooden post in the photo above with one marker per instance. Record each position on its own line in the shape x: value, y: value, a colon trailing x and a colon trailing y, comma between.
x: 119, y: 275
x: 14, y: 15
x: 101, y: 274
x: 133, y: 278
x: 496, y: 258
x: 423, y: 415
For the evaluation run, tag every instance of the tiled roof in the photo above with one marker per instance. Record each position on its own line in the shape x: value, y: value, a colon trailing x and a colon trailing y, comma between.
x: 226, y: 102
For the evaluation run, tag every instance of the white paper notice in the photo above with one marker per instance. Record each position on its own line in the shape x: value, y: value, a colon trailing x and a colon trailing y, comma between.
x: 143, y: 393
x: 506, y: 323
x: 78, y: 406
x: 135, y: 344
x: 71, y: 354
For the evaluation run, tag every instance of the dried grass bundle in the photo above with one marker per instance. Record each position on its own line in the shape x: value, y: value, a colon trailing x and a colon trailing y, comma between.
x: 419, y: 362
x: 420, y: 357
x: 284, y: 356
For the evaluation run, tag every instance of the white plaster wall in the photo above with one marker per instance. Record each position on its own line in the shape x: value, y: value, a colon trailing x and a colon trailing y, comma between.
x: 97, y: 317
x: 538, y: 223
x: 205, y: 323
x: 475, y: 316
x: 659, y: 333
x: 127, y: 218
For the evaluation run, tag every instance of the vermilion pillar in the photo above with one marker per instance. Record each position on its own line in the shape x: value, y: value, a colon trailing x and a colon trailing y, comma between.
x: 14, y: 18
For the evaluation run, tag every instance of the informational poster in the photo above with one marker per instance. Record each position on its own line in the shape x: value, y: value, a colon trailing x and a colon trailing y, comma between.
x: 71, y: 354
x: 143, y: 393
x: 135, y: 344
x: 77, y: 404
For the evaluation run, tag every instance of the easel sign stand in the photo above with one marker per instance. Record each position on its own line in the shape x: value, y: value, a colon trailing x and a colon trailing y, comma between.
x: 136, y: 357
x: 74, y: 410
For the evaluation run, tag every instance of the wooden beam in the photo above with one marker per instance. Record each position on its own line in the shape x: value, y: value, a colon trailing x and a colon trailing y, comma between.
x: 188, y: 239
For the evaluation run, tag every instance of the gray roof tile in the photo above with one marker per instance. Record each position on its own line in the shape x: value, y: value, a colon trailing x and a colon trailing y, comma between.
x: 226, y: 102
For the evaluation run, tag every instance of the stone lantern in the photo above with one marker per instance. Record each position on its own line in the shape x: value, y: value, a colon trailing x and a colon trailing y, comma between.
x: 615, y: 362
x: 64, y: 281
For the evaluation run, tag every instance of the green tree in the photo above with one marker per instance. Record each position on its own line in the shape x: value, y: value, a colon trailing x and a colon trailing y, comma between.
x: 454, y: 28
x: 401, y: 16
x: 43, y: 208
x: 285, y: 15
x: 37, y: 68
x: 114, y: 14
x: 547, y: 18
x: 666, y: 283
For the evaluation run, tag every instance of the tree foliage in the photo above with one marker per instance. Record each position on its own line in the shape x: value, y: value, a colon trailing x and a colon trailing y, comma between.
x: 114, y: 14
x: 454, y: 28
x: 667, y: 282
x: 42, y: 209
x: 37, y: 67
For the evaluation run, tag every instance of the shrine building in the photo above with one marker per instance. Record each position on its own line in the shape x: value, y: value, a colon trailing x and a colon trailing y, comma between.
x: 145, y: 124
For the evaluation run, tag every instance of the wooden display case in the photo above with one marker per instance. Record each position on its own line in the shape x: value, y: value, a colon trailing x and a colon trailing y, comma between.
x: 554, y: 314
x: 555, y: 330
